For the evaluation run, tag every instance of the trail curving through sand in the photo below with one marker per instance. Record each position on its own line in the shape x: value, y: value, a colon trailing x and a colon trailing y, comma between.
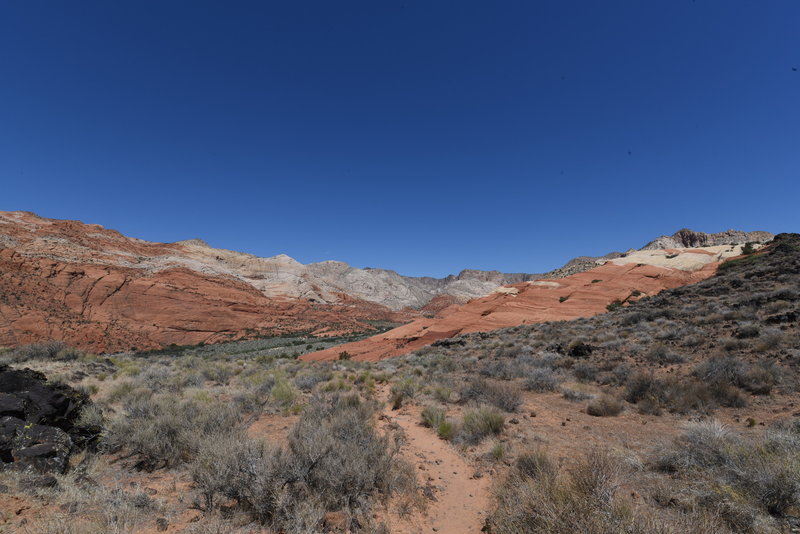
x: 461, y: 500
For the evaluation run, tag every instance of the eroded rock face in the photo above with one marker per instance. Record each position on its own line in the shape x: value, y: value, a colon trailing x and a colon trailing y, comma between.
x: 583, y: 294
x: 38, y: 421
x: 101, y: 291
x: 689, y: 238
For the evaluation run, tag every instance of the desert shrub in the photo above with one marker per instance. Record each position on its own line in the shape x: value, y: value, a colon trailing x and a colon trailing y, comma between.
x: 728, y: 370
x: 334, y: 461
x: 498, y: 451
x: 541, y: 380
x: 282, y: 393
x: 165, y: 430
x: 585, y: 372
x: 575, y: 395
x: 604, y: 406
x: 662, y: 354
x: 505, y: 369
x: 503, y: 395
x: 679, y: 394
x: 763, y: 473
x: 405, y: 389
x: 433, y: 416
x: 481, y: 422
x: 538, y: 498
x: 47, y: 350
x: 69, y: 354
x: 770, y: 340
x: 536, y: 464
x: 447, y: 430
x: 306, y: 382
x: 91, y: 415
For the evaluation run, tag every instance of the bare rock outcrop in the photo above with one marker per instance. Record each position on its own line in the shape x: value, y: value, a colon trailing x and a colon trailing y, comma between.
x: 685, y: 238
x: 39, y: 421
x: 619, y: 280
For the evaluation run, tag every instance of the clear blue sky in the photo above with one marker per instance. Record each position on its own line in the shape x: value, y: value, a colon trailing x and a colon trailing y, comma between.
x: 424, y: 136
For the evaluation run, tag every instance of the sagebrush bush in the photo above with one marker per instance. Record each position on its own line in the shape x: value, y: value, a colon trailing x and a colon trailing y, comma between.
x: 539, y: 498
x: 165, y: 430
x: 605, y: 406
x: 334, y: 461
x: 503, y: 395
x: 541, y: 380
x: 763, y: 472
x: 729, y: 370
x: 679, y: 394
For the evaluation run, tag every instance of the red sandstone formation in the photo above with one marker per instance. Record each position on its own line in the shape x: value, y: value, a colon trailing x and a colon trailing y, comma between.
x: 96, y: 289
x: 579, y: 295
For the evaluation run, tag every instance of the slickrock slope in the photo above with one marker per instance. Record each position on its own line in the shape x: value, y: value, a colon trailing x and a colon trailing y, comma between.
x: 99, y: 290
x: 583, y: 294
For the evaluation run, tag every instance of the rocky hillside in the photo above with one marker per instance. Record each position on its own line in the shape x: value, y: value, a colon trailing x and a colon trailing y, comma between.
x: 617, y: 282
x: 100, y: 290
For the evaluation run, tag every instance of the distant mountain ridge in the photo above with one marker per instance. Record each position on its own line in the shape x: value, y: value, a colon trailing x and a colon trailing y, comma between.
x: 90, y: 285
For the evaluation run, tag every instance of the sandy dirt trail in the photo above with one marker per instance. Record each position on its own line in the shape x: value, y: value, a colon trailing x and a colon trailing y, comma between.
x: 462, y: 500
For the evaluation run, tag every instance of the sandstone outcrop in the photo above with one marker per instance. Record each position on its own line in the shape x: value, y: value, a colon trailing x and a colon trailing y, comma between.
x: 101, y: 291
x: 583, y: 294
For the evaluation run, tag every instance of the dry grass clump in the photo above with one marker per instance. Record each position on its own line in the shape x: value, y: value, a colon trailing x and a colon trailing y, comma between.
x: 605, y: 406
x: 78, y: 505
x: 334, y: 461
x: 540, y: 498
x: 503, y: 395
x: 433, y: 416
x: 479, y: 423
x: 742, y: 481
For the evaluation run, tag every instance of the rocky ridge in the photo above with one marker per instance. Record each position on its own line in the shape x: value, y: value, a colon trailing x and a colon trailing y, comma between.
x: 102, y: 291
x: 685, y: 238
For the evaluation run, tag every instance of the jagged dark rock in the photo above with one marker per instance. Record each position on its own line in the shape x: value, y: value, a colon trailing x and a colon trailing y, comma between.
x: 38, y: 421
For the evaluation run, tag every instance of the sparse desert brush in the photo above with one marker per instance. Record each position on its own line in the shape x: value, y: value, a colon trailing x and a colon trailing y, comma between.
x: 662, y: 354
x: 742, y: 478
x: 605, y: 406
x: 538, y: 498
x: 433, y: 416
x: 498, y: 451
x: 536, y: 464
x: 585, y: 371
x: 728, y: 370
x: 283, y: 394
x: 307, y: 381
x: 447, y: 430
x: 334, y: 461
x: 541, y: 380
x: 575, y: 395
x: 503, y: 395
x: 165, y: 430
x: 481, y: 422
x: 404, y: 389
